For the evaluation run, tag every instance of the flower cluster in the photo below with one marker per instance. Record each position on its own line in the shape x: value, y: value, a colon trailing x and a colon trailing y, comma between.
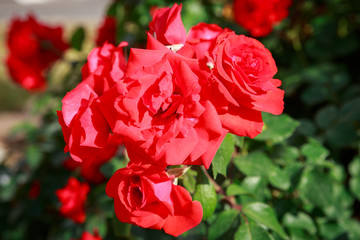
x: 259, y: 16
x: 169, y: 104
x: 33, y: 47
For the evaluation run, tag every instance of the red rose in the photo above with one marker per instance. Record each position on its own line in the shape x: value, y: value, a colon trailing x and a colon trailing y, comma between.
x: 243, y: 84
x: 73, y: 197
x: 33, y: 47
x: 85, y: 130
x: 202, y: 38
x: 30, y: 75
x: 167, y: 26
x: 259, y: 16
x: 89, y: 236
x: 159, y: 111
x: 145, y: 196
x: 107, y: 31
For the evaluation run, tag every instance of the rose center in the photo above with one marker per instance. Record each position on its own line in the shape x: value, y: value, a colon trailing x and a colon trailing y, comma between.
x: 136, y: 197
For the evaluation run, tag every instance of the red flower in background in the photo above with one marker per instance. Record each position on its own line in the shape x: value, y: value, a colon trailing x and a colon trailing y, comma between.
x: 107, y: 31
x: 259, y: 16
x: 145, y: 196
x: 73, y: 197
x: 89, y: 236
x: 33, y: 47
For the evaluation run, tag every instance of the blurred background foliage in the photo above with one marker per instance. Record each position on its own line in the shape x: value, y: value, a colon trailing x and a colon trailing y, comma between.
x: 299, y: 179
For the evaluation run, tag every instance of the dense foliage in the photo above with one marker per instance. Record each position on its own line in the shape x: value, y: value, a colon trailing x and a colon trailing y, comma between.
x: 298, y: 179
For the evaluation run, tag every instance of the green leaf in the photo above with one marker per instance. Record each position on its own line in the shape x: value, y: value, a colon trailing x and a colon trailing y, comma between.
x: 78, y: 38
x: 277, y: 128
x: 350, y: 110
x: 314, y: 151
x: 254, y: 164
x: 326, y: 116
x: 222, y: 224
x: 301, y: 221
x: 285, y: 154
x: 251, y: 232
x: 223, y: 155
x: 279, y: 178
x: 235, y: 189
x: 205, y: 194
x: 306, y: 128
x: 341, y: 134
x: 352, y: 227
x: 354, y: 167
x: 189, y: 181
x: 317, y: 187
x: 355, y: 186
x: 256, y: 188
x: 265, y: 215
x: 330, y: 229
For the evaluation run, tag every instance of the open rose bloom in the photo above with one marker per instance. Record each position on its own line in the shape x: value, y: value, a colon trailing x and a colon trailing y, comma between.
x: 169, y: 104
x: 259, y: 16
x: 33, y: 47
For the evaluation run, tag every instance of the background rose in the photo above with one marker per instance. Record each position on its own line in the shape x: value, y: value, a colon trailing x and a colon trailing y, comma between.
x: 106, y: 31
x: 73, y: 197
x: 259, y: 16
x: 33, y: 47
x: 89, y: 236
x: 145, y: 196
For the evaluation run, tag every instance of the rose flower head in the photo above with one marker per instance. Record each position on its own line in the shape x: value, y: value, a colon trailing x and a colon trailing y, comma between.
x: 158, y: 110
x: 144, y: 195
x: 242, y: 84
x: 33, y: 47
x: 73, y: 197
x: 259, y: 16
x: 167, y: 25
x: 85, y: 130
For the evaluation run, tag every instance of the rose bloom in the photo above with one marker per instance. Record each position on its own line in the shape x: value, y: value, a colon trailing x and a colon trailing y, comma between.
x: 259, y: 16
x: 89, y: 236
x: 85, y: 130
x: 242, y: 85
x: 158, y: 111
x: 73, y: 197
x: 106, y: 31
x: 33, y: 47
x: 145, y: 196
x: 167, y: 25
x: 202, y: 38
